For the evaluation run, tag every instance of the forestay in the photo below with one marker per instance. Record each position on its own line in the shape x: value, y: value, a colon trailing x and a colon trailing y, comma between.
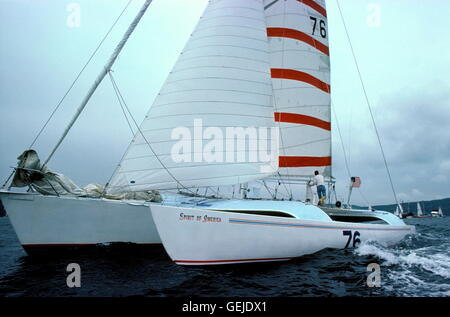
x: 222, y: 79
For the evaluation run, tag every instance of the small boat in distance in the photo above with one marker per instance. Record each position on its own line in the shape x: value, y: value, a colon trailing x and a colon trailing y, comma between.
x: 419, y: 212
x: 437, y: 213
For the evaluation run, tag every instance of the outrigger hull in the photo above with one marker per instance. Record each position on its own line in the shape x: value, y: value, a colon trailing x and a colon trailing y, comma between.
x: 198, y: 236
x: 44, y: 222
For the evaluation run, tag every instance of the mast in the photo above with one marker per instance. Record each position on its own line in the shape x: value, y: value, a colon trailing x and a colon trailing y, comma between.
x: 101, y: 76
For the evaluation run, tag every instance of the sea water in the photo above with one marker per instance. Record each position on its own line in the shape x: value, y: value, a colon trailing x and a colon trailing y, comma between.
x: 417, y: 266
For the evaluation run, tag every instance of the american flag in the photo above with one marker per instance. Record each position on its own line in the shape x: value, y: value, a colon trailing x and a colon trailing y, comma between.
x: 356, y: 181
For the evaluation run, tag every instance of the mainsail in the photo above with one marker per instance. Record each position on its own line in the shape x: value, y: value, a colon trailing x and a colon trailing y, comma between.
x: 300, y: 70
x: 222, y: 79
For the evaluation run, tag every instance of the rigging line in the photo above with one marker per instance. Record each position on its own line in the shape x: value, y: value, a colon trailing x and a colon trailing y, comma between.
x: 268, y: 189
x: 120, y: 103
x: 145, y: 139
x: 112, y: 59
x: 9, y: 177
x: 71, y: 86
x: 364, y: 197
x: 214, y: 191
x: 350, y: 134
x: 347, y: 165
x: 79, y: 74
x: 342, y: 142
x: 368, y: 103
x: 116, y: 90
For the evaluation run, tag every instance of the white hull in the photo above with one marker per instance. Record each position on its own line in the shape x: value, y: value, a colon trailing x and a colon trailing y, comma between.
x: 47, y: 221
x: 436, y: 214
x: 233, y: 237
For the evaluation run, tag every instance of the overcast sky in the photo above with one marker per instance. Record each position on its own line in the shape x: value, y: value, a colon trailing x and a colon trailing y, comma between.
x: 402, y: 53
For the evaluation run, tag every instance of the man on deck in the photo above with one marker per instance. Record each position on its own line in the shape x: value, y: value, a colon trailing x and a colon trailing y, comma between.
x: 321, y: 190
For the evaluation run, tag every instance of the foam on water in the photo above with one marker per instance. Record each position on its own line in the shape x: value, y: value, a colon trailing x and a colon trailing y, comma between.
x: 418, y: 266
x: 436, y: 263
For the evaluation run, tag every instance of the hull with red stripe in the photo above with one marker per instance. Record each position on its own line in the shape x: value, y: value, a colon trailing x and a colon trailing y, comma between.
x: 229, y: 232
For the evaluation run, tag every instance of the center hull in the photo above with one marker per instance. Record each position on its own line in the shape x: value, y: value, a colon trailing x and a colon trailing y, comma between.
x: 194, y: 236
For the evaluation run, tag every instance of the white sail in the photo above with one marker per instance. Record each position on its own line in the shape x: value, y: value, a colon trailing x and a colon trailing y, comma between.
x: 222, y: 79
x: 419, y: 210
x: 300, y: 69
x: 440, y: 212
x: 399, y: 211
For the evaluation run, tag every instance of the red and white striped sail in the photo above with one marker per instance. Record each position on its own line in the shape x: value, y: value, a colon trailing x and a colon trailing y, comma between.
x: 300, y: 69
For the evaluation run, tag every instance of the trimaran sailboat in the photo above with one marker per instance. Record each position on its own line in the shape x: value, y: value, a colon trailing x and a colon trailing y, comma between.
x: 256, y: 67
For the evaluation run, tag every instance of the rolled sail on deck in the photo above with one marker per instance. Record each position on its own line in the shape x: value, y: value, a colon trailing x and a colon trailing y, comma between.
x: 222, y: 79
x: 300, y: 70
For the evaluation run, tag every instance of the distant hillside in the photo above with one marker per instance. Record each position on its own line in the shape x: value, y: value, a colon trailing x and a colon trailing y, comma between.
x: 427, y: 206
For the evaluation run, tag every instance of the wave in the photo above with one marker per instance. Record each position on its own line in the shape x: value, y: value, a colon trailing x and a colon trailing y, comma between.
x: 412, y: 271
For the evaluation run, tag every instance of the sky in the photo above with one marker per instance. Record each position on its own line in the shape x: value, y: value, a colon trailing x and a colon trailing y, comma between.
x: 401, y: 47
